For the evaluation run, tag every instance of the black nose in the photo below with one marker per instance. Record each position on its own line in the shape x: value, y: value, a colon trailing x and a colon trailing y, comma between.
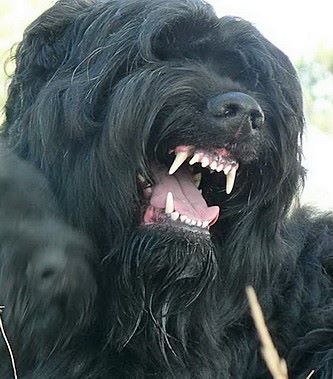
x: 237, y: 105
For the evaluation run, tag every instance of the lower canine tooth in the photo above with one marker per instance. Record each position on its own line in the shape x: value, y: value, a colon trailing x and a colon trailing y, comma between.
x: 174, y: 216
x: 169, y: 204
x: 179, y: 160
x: 231, y: 180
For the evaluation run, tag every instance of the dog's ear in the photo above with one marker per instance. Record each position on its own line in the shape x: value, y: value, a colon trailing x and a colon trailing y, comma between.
x: 183, y: 30
x: 41, y: 48
x: 40, y: 53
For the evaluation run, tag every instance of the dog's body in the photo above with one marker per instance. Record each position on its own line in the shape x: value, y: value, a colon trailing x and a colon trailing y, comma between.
x: 105, y: 95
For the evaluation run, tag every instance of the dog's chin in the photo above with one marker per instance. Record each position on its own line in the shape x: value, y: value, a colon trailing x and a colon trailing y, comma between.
x: 161, y: 275
x: 168, y: 250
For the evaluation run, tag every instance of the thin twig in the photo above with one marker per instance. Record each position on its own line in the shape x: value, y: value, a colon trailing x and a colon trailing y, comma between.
x: 275, y: 364
x: 8, y: 344
x: 310, y: 375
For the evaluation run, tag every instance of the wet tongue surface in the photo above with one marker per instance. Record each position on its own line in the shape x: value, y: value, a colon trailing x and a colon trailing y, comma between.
x: 188, y: 200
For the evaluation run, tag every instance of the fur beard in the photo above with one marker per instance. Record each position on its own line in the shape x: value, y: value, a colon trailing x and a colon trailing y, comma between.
x: 164, y: 285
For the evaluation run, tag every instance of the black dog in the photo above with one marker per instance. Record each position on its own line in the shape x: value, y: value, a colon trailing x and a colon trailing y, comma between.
x: 43, y: 262
x: 171, y: 138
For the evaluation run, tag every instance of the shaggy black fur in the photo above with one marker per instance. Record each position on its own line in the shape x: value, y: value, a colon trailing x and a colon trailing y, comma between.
x: 103, y: 91
x: 42, y: 263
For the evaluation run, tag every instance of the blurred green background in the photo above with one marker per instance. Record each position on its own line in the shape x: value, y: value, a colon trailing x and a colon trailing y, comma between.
x: 315, y: 68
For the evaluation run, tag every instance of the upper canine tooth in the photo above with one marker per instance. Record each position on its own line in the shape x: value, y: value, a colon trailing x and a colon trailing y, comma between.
x: 227, y: 169
x: 179, y: 160
x: 169, y: 204
x: 231, y: 180
x: 197, y: 179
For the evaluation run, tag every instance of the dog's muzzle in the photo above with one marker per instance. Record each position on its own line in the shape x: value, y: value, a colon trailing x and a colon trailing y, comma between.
x: 176, y: 197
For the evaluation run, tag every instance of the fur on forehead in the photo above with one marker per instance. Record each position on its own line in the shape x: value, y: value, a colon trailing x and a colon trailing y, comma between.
x: 109, y: 39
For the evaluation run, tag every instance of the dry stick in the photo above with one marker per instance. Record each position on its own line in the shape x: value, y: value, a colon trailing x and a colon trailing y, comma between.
x: 275, y: 364
x: 8, y: 344
x: 310, y: 375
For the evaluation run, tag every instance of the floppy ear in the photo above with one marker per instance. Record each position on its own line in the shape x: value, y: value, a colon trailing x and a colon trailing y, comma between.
x: 40, y: 53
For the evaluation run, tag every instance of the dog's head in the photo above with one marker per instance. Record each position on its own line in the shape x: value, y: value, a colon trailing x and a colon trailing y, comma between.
x: 160, y: 125
x: 186, y: 119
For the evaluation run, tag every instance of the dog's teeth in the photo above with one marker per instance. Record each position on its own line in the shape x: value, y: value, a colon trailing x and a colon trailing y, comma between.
x: 169, y: 204
x: 195, y: 159
x: 213, y: 165
x: 179, y: 160
x: 197, y: 179
x: 204, y: 161
x: 174, y: 216
x: 183, y: 218
x: 141, y: 178
x: 147, y: 192
x: 219, y: 168
x: 231, y: 180
x: 227, y: 169
x: 201, y: 224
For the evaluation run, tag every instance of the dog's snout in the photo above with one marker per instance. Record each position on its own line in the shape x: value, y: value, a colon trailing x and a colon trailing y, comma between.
x: 237, y: 105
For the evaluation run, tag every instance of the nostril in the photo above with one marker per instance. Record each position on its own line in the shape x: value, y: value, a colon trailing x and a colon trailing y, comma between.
x: 256, y: 119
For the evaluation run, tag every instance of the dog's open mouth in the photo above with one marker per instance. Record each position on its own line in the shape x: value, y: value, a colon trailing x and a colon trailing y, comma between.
x: 176, y: 197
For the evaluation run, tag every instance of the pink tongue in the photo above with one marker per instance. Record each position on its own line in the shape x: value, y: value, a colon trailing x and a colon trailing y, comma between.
x: 188, y: 200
